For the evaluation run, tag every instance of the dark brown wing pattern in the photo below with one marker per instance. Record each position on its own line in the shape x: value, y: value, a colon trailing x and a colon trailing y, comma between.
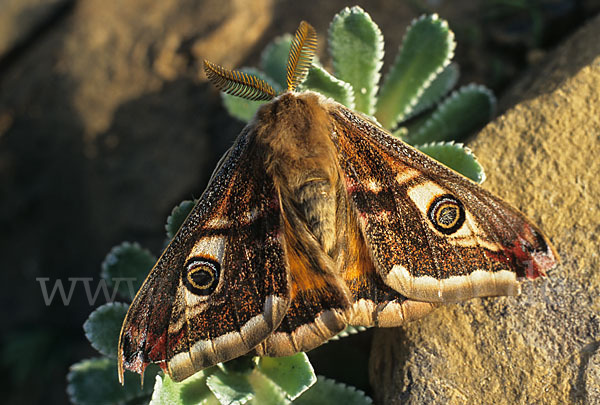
x: 433, y: 234
x: 221, y: 287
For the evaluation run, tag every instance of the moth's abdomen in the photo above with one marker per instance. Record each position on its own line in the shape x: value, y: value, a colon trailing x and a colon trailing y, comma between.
x: 294, y: 135
x: 316, y: 200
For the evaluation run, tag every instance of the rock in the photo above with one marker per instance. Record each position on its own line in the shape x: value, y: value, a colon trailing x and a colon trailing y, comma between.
x: 22, y: 19
x: 543, y: 346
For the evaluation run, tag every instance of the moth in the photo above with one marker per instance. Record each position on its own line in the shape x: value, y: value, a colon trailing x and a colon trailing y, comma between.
x: 316, y: 219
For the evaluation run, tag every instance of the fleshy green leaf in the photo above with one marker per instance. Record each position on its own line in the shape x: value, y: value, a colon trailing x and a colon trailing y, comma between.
x: 192, y: 391
x: 241, y: 108
x: 95, y: 382
x: 103, y: 326
x: 329, y: 392
x: 401, y: 132
x: 126, y: 267
x: 266, y: 392
x: 273, y: 60
x: 178, y: 214
x: 356, y: 47
x: 230, y: 388
x: 466, y: 110
x: 413, y: 125
x: 240, y: 365
x: 457, y: 157
x: 439, y: 87
x: 272, y: 381
x: 426, y: 49
x: 294, y: 374
x: 320, y: 80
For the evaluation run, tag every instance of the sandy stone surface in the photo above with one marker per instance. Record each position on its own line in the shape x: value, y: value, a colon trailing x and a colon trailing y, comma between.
x: 22, y: 19
x: 542, y: 155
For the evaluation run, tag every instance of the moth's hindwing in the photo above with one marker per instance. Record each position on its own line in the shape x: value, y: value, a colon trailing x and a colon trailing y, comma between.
x: 374, y: 303
x: 221, y: 286
x: 319, y: 296
x: 433, y: 234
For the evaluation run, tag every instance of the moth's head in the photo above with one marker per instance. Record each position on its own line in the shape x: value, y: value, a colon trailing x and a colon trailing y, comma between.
x: 251, y: 87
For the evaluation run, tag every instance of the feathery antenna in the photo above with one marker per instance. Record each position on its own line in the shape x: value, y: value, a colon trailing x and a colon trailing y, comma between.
x: 250, y: 87
x: 301, y: 55
x: 238, y: 83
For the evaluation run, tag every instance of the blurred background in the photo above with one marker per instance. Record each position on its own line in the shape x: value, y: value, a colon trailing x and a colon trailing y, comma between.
x: 106, y: 123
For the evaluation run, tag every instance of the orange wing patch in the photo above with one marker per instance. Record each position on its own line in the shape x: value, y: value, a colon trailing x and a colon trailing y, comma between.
x: 359, y: 266
x: 308, y: 267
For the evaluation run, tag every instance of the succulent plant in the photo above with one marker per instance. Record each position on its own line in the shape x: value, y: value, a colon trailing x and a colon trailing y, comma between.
x: 414, y: 103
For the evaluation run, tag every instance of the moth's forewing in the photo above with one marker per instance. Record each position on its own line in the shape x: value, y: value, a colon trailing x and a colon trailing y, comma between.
x: 221, y: 286
x: 433, y: 234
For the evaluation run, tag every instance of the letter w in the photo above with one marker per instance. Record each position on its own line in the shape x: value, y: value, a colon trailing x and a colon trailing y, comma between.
x: 102, y: 286
x: 58, y: 286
